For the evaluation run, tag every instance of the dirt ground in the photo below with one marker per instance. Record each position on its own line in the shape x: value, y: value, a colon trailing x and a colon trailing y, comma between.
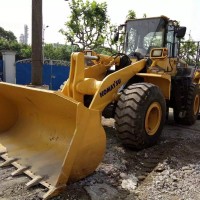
x: 169, y: 170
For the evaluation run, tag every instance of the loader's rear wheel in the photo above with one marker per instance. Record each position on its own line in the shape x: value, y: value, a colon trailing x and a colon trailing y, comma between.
x: 140, y: 115
x: 187, y: 114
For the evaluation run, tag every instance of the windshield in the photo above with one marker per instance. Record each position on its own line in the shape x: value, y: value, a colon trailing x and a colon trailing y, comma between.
x: 144, y: 34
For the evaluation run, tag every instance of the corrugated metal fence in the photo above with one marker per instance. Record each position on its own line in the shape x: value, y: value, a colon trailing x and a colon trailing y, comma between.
x: 54, y: 73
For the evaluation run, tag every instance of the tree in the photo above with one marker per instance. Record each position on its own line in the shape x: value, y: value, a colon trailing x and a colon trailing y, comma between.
x: 131, y: 15
x: 188, y: 51
x: 58, y: 52
x: 7, y: 35
x: 114, y: 47
x: 24, y: 52
x: 87, y: 24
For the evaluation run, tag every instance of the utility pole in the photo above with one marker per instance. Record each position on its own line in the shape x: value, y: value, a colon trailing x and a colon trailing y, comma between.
x: 37, y: 62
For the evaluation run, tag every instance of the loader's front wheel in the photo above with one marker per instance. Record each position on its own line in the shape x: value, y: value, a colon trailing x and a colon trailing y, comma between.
x: 188, y: 113
x: 140, y: 115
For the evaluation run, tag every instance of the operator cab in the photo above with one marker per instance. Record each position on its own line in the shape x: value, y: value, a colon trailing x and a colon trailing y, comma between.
x: 142, y: 35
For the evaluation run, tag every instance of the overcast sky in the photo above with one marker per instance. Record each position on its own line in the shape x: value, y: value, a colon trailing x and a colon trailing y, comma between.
x: 14, y: 14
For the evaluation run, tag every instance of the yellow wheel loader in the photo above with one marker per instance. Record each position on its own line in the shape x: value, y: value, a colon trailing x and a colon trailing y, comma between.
x: 56, y: 136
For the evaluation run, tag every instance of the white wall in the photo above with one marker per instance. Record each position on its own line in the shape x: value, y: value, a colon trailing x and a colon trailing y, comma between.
x: 9, y: 68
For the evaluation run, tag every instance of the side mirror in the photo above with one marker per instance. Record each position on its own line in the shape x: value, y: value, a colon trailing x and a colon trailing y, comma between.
x: 181, y: 32
x: 116, y: 36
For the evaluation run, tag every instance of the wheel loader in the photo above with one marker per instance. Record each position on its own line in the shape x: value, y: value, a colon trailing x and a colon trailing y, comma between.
x: 56, y: 137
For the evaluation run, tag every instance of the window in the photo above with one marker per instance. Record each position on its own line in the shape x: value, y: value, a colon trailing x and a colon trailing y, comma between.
x: 144, y: 34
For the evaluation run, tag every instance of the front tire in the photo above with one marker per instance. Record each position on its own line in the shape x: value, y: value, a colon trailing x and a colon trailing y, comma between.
x: 140, y: 115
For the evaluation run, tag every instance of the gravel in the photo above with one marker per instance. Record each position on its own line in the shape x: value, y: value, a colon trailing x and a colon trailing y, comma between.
x: 169, y: 170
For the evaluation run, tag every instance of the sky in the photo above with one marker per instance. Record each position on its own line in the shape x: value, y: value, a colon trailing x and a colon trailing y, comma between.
x: 15, y: 14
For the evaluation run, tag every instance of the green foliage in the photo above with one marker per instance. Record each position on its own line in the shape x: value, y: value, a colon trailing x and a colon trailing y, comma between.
x: 131, y: 15
x: 8, y: 45
x: 90, y: 27
x: 58, y: 51
x: 188, y: 51
x: 7, y: 35
x: 103, y: 50
x: 9, y: 42
x: 144, y: 15
x: 51, y: 51
x: 24, y: 52
x: 87, y: 24
x: 114, y: 46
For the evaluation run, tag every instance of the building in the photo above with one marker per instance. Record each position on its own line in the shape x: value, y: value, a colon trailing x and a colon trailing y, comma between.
x: 24, y: 37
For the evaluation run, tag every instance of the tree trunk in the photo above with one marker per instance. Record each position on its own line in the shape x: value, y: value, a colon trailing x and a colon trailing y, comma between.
x: 37, y: 60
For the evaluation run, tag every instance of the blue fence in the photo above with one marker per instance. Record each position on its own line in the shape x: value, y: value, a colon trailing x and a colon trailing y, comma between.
x: 1, y: 69
x: 53, y: 75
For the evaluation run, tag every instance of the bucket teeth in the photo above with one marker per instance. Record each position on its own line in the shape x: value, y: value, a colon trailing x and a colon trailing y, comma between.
x: 19, y: 171
x: 7, y: 162
x: 35, y: 181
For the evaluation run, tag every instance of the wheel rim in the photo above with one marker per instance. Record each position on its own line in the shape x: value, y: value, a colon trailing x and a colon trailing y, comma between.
x: 196, y: 104
x: 153, y: 118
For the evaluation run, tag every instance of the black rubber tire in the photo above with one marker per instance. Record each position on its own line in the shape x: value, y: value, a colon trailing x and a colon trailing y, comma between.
x: 131, y: 112
x: 185, y: 114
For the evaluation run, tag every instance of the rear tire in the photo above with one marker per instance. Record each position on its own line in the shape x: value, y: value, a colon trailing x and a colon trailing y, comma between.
x: 188, y: 114
x: 140, y: 115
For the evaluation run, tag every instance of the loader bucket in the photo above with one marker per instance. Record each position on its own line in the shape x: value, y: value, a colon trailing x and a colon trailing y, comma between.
x: 48, y: 136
